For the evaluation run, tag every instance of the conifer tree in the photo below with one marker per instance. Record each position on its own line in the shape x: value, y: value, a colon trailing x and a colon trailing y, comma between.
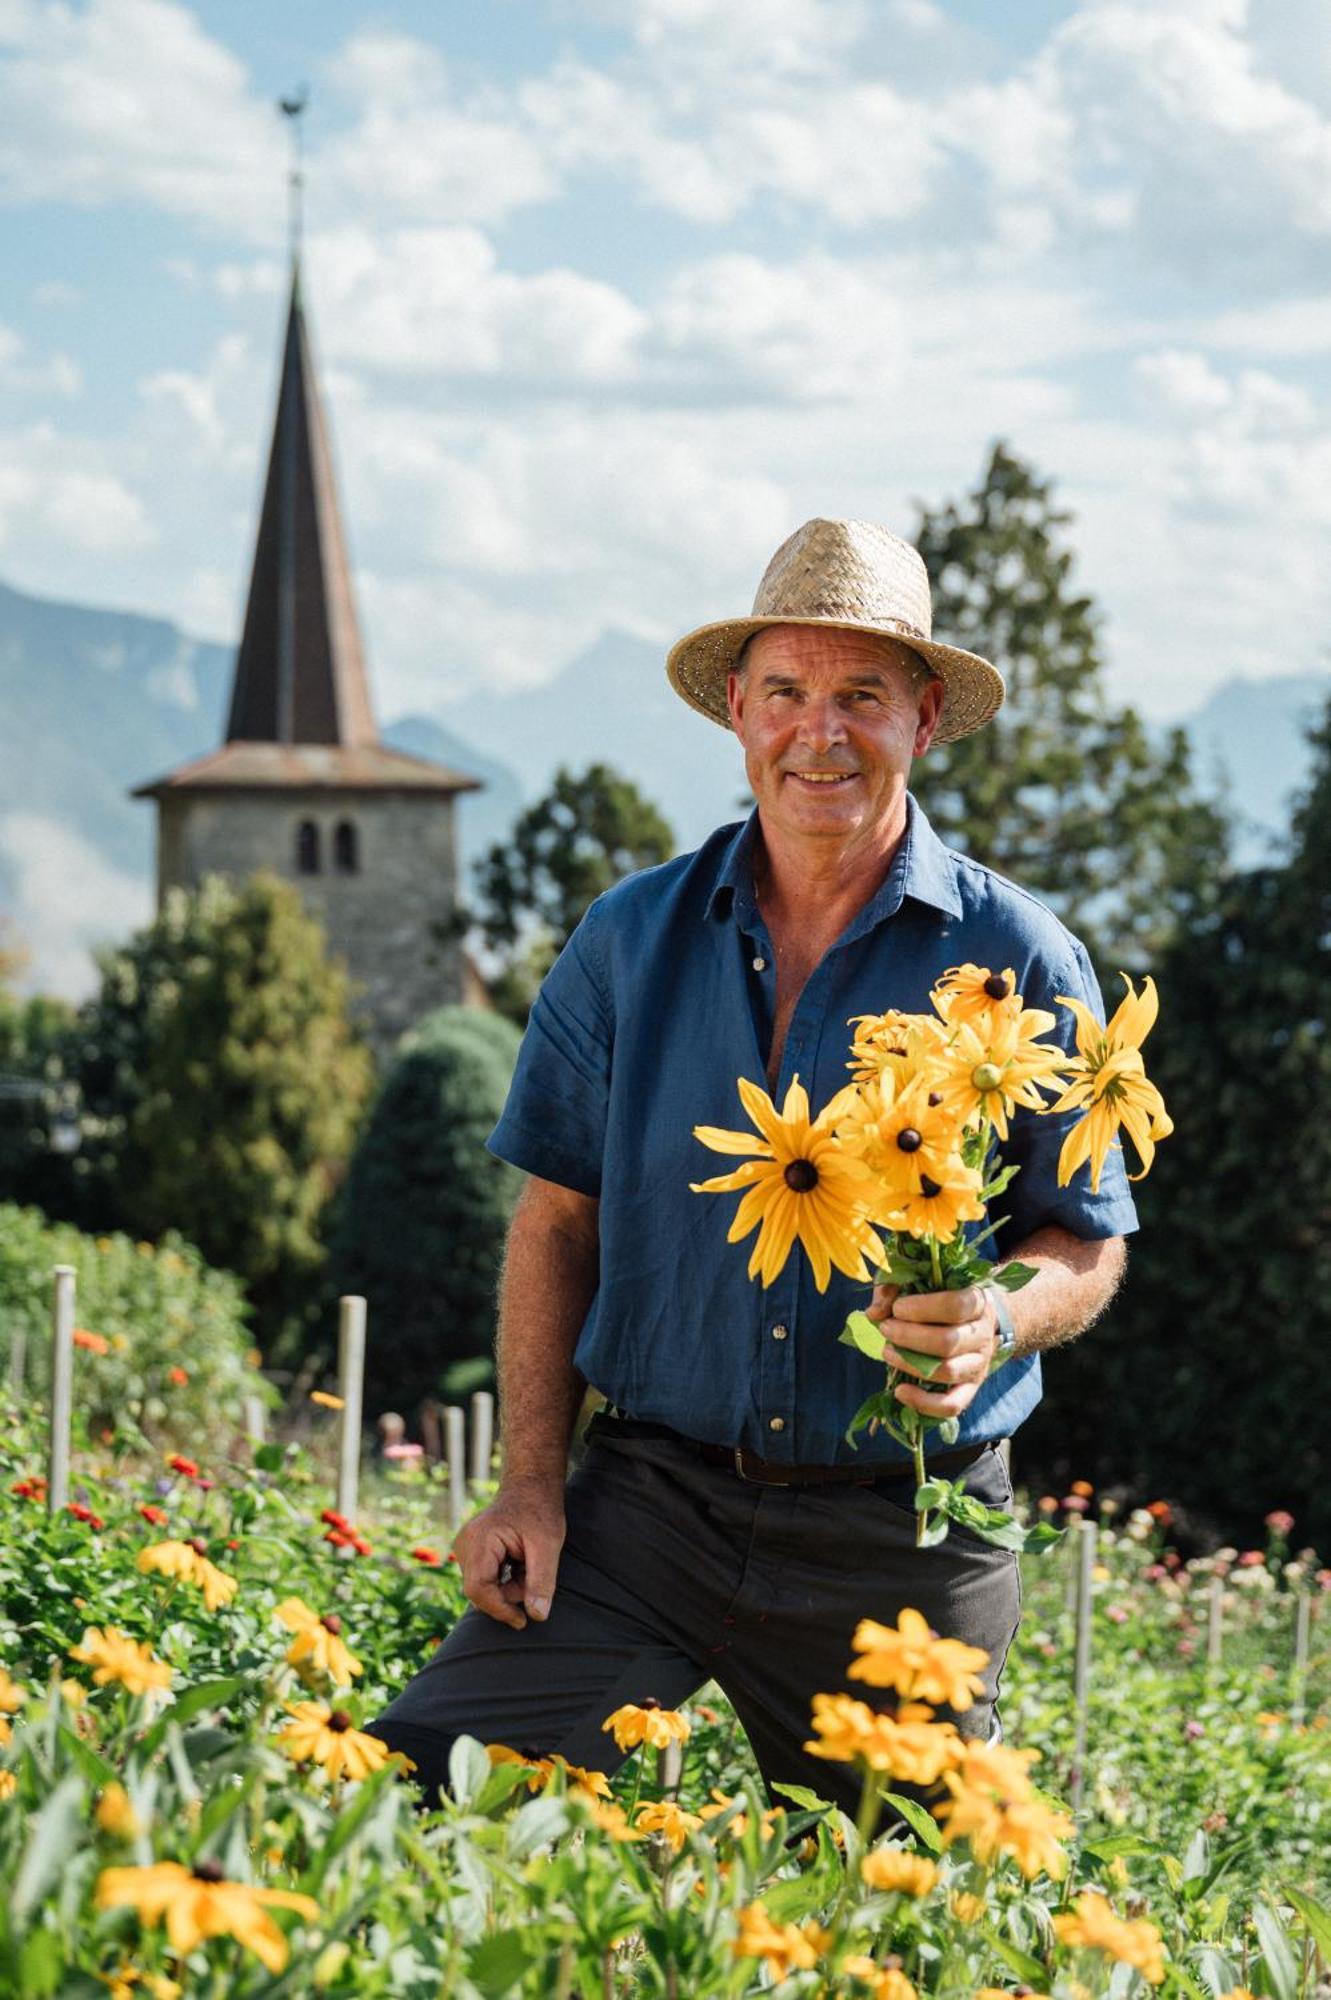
x: 1063, y: 791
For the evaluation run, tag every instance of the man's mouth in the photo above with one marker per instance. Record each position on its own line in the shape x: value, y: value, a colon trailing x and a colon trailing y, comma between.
x: 823, y: 777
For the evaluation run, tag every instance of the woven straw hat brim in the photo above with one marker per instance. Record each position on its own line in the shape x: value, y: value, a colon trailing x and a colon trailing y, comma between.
x: 700, y: 664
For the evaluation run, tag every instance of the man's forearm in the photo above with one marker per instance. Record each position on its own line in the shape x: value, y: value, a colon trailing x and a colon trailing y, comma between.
x: 550, y: 1276
x: 1076, y: 1281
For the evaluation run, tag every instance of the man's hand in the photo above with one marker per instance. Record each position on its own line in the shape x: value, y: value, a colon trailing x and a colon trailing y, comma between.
x: 960, y: 1327
x: 509, y: 1553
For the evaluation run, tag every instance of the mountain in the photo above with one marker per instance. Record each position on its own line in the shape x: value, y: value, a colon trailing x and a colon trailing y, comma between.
x: 93, y: 702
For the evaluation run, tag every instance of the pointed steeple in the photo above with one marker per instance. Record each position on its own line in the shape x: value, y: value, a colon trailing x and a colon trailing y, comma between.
x: 300, y: 673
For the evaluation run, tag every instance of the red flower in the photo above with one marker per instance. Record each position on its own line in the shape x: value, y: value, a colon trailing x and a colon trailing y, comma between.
x: 96, y: 1343
x: 1280, y: 1522
x: 185, y: 1465
x: 349, y: 1539
x: 204, y: 1485
x: 1161, y: 1512
x: 233, y: 1545
x: 178, y: 1376
x: 157, y: 1515
x: 82, y: 1513
x: 336, y: 1520
x: 30, y: 1489
x: 430, y: 1556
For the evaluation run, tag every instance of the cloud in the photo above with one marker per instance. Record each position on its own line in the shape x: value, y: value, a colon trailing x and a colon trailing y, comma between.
x: 67, y: 898
x: 58, y: 376
x: 208, y: 403
x: 49, y: 498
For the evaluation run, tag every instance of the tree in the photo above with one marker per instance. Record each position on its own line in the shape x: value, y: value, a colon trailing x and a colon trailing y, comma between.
x: 422, y: 1216
x: 1214, y: 1363
x: 565, y: 851
x: 228, y: 1082
x: 1063, y: 792
x: 33, y: 1032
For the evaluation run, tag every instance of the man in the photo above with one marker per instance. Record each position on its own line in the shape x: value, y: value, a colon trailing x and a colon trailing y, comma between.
x: 719, y: 1526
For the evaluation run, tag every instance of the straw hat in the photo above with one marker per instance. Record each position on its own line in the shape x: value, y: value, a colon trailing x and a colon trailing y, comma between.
x: 855, y: 577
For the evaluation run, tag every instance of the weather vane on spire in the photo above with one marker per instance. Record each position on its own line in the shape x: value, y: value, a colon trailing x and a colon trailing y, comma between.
x: 292, y: 108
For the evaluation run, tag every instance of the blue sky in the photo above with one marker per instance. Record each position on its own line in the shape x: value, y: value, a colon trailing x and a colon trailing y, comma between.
x: 610, y: 294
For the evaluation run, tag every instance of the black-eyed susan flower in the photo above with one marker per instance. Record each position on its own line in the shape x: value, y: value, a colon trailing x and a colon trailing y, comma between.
x: 1092, y: 1925
x: 128, y: 1982
x: 115, y: 1657
x: 909, y: 1746
x: 893, y: 1044
x: 541, y: 1768
x: 885, y: 1982
x: 115, y: 1813
x: 912, y: 1659
x: 895, y: 1871
x: 318, y: 1651
x: 199, y: 1903
x: 972, y: 993
x: 326, y: 1736
x: 802, y: 1186
x: 12, y: 1698
x: 670, y: 1821
x: 784, y: 1948
x: 649, y: 1723
x: 610, y: 1817
x: 900, y: 1132
x: 188, y: 1562
x: 1107, y: 1079
x: 986, y: 1069
x: 939, y: 1203
x: 993, y: 1807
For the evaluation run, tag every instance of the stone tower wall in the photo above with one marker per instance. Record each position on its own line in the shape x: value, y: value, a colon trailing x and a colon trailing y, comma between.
x: 380, y: 920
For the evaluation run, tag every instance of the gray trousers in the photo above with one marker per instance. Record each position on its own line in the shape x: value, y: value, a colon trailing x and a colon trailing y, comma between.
x: 675, y: 1573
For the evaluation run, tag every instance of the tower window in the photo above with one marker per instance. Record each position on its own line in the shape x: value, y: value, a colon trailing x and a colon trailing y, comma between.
x: 346, y: 858
x: 307, y: 848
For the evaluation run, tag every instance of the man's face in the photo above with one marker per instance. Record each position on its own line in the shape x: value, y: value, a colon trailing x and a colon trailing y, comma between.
x: 830, y: 726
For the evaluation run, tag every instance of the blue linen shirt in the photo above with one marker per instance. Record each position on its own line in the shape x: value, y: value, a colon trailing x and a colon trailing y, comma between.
x: 663, y: 996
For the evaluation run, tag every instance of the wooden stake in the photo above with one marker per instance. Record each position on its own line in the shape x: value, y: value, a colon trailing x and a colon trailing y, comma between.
x: 482, y: 1436
x: 1081, y: 1672
x: 670, y: 1768
x: 1215, y: 1622
x: 1299, y: 1677
x: 455, y: 1449
x: 62, y: 1387
x: 351, y: 1388
x: 18, y: 1361
x: 256, y: 1419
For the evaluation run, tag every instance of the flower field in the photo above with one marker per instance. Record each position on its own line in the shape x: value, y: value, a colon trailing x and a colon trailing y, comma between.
x: 188, y: 1806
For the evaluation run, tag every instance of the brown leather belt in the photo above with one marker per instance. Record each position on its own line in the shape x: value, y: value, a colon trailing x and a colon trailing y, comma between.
x: 747, y: 1465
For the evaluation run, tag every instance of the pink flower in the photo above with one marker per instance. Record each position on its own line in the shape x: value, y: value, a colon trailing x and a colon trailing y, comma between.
x: 404, y: 1451
x: 1116, y: 1614
x: 1192, y: 1730
x: 1075, y: 1503
x: 1252, y: 1559
x: 1279, y: 1522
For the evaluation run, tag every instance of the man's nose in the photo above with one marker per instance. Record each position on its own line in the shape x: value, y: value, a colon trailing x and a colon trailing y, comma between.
x: 822, y: 723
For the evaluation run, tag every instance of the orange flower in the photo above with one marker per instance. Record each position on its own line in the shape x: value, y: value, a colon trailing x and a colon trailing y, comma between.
x: 649, y: 1723
x: 911, y: 1658
x: 96, y: 1343
x: 178, y: 1376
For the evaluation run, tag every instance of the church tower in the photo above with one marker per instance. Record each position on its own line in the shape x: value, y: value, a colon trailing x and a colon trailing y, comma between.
x: 302, y: 785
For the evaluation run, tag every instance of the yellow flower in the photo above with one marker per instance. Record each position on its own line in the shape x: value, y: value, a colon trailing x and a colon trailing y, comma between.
x: 1093, y: 1925
x: 578, y: 1779
x: 1108, y: 1080
x: 965, y: 1907
x: 115, y: 1815
x: 199, y: 1904
x: 900, y: 1135
x: 326, y: 1400
x: 803, y: 1184
x: 940, y: 1203
x: 12, y: 1698
x: 784, y: 1948
x: 131, y: 1984
x: 892, y: 1044
x: 317, y: 1652
x: 183, y: 1560
x: 669, y: 1820
x: 114, y: 1657
x: 327, y: 1736
x: 73, y: 1694
x: 911, y: 1658
x: 908, y: 1746
x: 988, y: 1069
x: 897, y: 1872
x: 1005, y: 1993
x: 8, y: 1784
x: 994, y: 1809
x: 651, y: 1723
x: 888, y: 1981
x: 973, y: 994
x: 610, y: 1817
x: 541, y: 1768
x: 721, y: 1802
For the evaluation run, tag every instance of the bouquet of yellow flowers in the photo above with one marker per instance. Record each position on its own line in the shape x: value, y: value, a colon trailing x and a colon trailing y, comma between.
x: 883, y: 1183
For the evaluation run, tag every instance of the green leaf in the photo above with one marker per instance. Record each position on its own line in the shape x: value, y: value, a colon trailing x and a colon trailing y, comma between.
x: 934, y: 1532
x: 269, y: 1457
x: 926, y: 1365
x: 53, y: 1839
x: 206, y: 1694
x: 949, y: 1430
x: 800, y: 1795
x: 861, y: 1332
x: 468, y: 1769
x: 535, y: 1825
x: 1012, y: 1277
x: 93, y: 1767
x: 1281, y: 1968
x: 1020, y: 1962
x: 933, y: 1493
x: 921, y: 1823
x: 498, y: 1962
x: 1316, y: 1916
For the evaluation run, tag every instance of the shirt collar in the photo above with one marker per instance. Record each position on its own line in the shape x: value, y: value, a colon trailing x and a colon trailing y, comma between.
x: 922, y: 868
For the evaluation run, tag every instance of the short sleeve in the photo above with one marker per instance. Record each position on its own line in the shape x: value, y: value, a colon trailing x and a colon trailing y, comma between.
x: 553, y: 1123
x: 1035, y: 1139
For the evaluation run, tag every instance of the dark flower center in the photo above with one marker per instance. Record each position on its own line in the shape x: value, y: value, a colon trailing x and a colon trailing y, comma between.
x: 199, y: 1546
x: 340, y: 1720
x: 331, y: 1622
x: 207, y: 1871
x: 935, y: 1099
x: 802, y: 1175
x: 996, y: 986
x: 909, y: 1139
x: 649, y: 1701
x: 929, y: 1188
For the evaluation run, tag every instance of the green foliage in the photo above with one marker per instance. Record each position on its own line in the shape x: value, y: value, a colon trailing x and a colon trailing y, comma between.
x: 33, y: 1091
x: 590, y: 830
x: 1227, y: 1309
x: 422, y: 1218
x: 223, y: 1084
x: 1063, y: 792
x: 159, y: 1309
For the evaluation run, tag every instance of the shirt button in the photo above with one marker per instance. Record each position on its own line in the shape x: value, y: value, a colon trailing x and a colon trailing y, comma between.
x: 776, y: 1424
x: 760, y: 965
x: 780, y: 1332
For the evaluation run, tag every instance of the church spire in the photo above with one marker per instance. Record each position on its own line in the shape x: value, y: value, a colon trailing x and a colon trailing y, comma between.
x: 300, y: 673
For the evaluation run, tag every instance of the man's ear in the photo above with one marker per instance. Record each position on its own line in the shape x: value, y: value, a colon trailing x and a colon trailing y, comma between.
x: 735, y: 703
x: 931, y: 710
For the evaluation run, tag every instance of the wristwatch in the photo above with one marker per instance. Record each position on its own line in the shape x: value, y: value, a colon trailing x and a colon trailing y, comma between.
x: 1007, y: 1332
